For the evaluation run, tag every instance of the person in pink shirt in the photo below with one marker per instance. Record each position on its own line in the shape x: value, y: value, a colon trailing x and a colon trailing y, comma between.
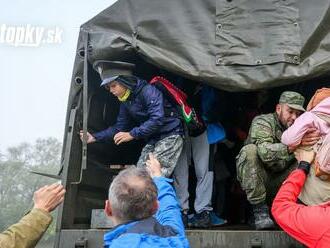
x: 316, y: 189
x: 308, y: 121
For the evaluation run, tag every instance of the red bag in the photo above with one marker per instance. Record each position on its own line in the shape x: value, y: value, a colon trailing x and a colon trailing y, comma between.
x: 192, y: 120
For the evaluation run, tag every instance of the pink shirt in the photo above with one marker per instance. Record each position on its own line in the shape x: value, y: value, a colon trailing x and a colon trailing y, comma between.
x: 293, y: 135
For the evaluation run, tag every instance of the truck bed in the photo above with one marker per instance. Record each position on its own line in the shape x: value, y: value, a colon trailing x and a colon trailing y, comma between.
x: 93, y: 238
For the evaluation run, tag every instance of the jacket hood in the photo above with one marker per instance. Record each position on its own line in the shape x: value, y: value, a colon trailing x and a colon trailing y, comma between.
x: 117, y: 231
x: 140, y: 83
x: 129, y: 82
x: 323, y: 106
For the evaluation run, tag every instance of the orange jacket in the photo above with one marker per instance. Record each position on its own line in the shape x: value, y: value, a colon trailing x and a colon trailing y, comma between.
x: 308, y: 224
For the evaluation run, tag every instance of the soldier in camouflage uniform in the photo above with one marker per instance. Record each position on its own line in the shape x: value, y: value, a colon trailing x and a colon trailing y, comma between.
x: 264, y: 162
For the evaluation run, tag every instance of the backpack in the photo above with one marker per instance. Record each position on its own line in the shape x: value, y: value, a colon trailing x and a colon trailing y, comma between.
x: 194, y: 123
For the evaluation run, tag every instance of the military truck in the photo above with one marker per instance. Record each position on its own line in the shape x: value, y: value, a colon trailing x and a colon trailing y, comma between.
x: 240, y: 47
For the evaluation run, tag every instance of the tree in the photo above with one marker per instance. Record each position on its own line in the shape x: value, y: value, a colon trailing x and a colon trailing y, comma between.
x: 17, y: 183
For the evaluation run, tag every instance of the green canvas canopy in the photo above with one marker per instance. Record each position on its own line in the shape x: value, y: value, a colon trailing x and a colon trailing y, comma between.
x: 234, y: 45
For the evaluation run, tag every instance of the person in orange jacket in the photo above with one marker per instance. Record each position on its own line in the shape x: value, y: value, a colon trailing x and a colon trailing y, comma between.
x: 307, y: 224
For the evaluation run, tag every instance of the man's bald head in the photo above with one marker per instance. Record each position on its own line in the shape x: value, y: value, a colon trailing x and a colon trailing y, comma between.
x: 132, y: 195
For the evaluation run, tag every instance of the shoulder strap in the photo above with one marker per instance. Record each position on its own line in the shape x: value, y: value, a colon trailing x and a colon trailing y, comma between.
x: 177, y: 96
x: 168, y: 112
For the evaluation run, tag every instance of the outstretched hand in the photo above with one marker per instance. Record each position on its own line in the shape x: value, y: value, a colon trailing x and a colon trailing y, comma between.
x: 153, y: 166
x: 49, y: 197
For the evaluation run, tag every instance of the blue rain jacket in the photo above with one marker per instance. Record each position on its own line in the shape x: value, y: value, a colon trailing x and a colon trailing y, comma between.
x: 155, y: 117
x: 165, y: 229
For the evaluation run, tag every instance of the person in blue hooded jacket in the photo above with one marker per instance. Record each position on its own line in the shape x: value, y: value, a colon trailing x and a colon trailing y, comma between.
x: 143, y: 207
x: 157, y: 120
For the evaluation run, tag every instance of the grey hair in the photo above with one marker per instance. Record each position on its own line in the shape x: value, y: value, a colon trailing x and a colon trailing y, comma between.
x: 132, y: 194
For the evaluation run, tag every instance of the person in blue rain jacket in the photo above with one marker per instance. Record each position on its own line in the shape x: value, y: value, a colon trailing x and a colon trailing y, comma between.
x: 144, y: 114
x: 143, y: 207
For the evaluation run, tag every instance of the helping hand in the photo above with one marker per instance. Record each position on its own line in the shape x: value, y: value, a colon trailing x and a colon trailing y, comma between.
x: 311, y: 137
x: 153, y: 166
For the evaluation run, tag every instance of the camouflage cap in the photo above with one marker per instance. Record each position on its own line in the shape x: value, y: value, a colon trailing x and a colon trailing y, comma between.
x: 293, y: 100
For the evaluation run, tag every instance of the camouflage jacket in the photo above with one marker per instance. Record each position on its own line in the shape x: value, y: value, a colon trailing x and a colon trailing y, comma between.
x: 265, y: 132
x: 27, y: 232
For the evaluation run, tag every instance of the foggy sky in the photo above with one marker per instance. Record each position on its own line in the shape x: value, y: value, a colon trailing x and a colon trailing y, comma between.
x: 34, y: 81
